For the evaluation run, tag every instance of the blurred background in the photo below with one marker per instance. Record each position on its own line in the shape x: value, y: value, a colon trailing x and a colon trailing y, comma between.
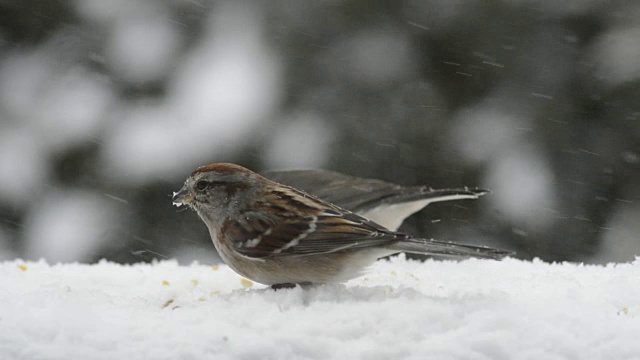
x: 107, y: 106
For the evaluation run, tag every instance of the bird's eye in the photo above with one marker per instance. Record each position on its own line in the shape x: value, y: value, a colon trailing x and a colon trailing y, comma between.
x: 201, y: 185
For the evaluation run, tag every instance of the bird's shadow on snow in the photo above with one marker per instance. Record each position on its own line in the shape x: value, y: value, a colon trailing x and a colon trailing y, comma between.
x: 342, y: 294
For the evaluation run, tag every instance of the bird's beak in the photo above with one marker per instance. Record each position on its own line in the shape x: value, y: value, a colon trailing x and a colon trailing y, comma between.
x: 182, y: 197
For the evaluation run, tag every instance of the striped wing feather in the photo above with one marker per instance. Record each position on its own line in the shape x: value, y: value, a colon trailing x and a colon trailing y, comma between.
x: 314, y: 227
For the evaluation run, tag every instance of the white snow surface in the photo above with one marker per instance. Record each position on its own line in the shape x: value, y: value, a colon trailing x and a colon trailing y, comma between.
x: 402, y: 309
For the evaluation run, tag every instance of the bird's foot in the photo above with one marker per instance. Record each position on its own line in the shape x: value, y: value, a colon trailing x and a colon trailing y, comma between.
x: 289, y: 285
x: 283, y: 286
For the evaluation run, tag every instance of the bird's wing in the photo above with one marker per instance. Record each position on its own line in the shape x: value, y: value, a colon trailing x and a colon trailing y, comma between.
x: 361, y: 194
x: 259, y: 237
x: 349, y: 192
x: 302, y: 225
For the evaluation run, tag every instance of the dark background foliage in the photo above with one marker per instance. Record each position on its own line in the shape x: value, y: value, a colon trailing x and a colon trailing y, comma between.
x: 106, y: 106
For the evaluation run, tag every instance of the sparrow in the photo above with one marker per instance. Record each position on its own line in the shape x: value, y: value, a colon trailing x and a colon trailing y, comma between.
x: 277, y: 235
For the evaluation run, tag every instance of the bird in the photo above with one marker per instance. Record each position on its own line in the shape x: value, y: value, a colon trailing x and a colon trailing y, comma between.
x: 385, y: 203
x: 280, y: 236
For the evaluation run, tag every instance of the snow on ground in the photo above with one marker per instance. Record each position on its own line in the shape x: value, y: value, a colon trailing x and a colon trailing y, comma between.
x: 475, y: 309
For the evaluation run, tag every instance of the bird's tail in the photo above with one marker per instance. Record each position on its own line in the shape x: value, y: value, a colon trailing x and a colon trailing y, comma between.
x: 447, y: 249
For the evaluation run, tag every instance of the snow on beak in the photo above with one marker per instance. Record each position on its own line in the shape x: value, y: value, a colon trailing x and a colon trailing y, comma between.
x: 182, y: 197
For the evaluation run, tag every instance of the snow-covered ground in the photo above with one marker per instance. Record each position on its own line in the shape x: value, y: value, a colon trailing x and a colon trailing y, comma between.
x: 475, y: 309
